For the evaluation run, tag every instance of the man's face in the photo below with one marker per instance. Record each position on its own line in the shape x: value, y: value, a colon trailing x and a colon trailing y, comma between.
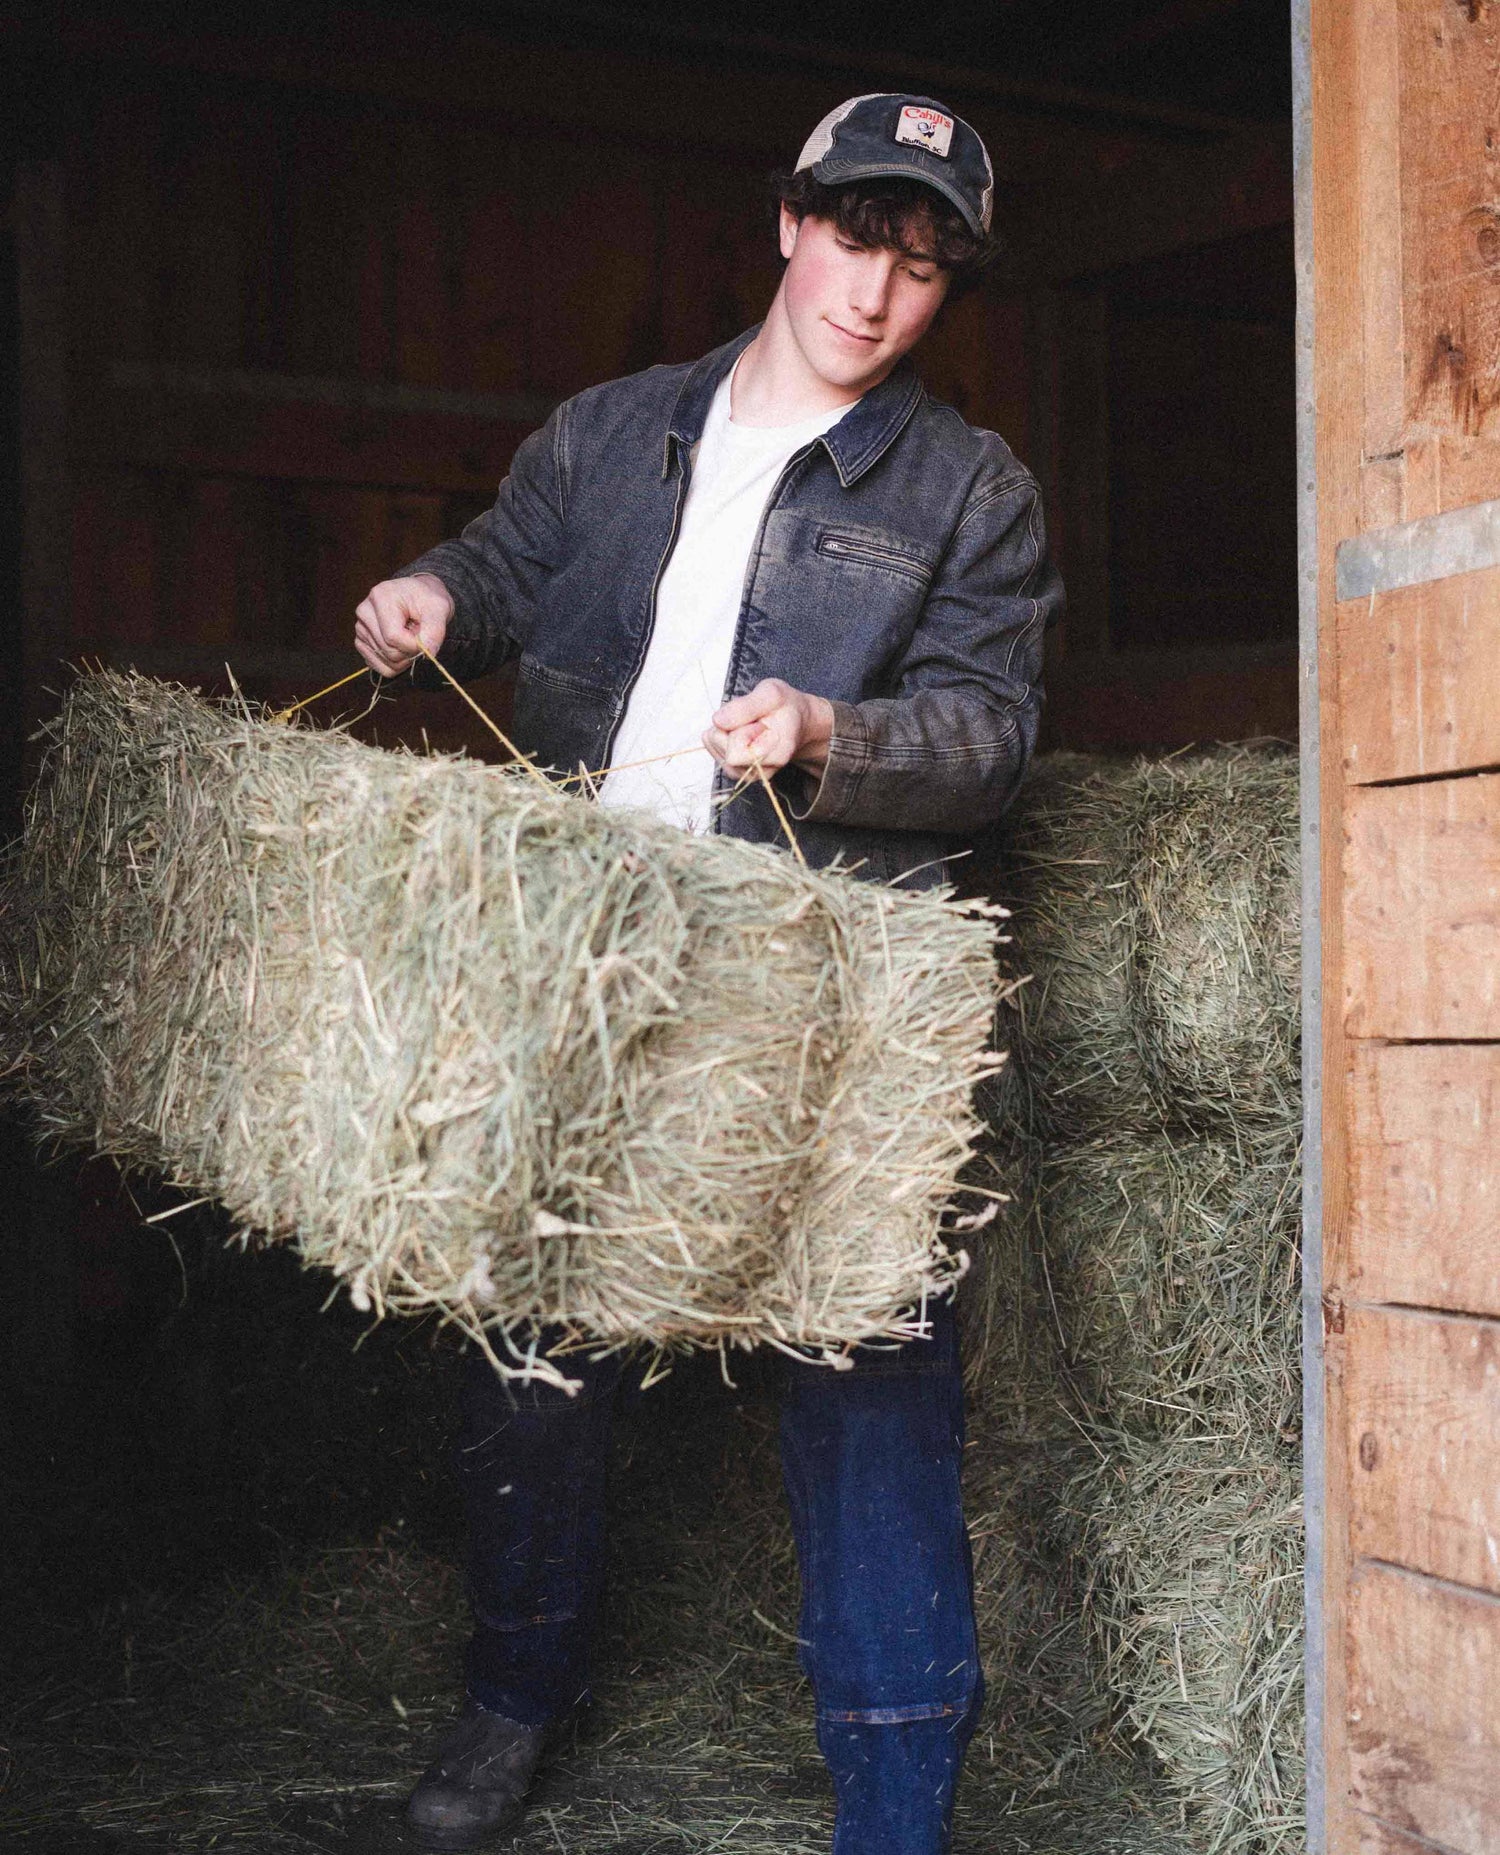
x: 854, y: 311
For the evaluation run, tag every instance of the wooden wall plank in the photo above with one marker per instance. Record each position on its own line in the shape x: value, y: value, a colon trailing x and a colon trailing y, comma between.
x: 1336, y: 391
x: 116, y: 560
x: 213, y: 242
x: 1430, y: 476
x: 975, y: 359
x: 45, y: 581
x: 1424, y: 1440
x: 203, y: 560
x: 353, y: 550
x: 1422, y: 910
x: 1377, y: 1838
x: 600, y: 314
x: 332, y: 199
x: 223, y: 433
x: 1098, y: 701
x: 423, y: 282
x: 114, y: 226
x: 493, y: 260
x: 1424, y: 1706
x: 1421, y: 671
x: 718, y: 238
x: 1447, y: 473
x: 1379, y: 157
x: 1450, y: 231
x: 1424, y: 1212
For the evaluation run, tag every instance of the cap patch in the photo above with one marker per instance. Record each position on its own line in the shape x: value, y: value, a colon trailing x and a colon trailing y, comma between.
x: 925, y: 128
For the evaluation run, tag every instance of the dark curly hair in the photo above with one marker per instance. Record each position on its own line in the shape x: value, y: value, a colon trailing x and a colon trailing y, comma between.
x: 893, y: 214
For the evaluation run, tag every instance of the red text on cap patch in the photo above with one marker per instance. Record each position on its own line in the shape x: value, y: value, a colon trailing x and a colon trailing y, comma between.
x: 925, y: 128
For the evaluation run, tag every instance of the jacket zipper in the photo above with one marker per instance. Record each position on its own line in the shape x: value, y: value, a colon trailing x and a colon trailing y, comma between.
x: 861, y: 550
x: 739, y: 626
x: 684, y: 477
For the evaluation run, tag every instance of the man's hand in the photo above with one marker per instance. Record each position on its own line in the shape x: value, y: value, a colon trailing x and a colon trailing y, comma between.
x: 772, y: 727
x: 398, y: 618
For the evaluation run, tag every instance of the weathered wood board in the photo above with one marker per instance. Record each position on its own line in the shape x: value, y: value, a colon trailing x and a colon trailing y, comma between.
x: 1446, y: 473
x: 1421, y: 875
x: 1420, y: 675
x: 1377, y: 1838
x: 1450, y: 227
x: 1405, y: 247
x: 1423, y: 1404
x: 1424, y: 1707
x: 1424, y: 1191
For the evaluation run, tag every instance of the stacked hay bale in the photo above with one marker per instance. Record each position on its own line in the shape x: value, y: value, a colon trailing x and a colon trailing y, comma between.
x: 479, y: 1046
x: 1135, y: 1330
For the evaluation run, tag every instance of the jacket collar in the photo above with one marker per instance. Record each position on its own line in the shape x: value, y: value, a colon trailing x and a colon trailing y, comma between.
x: 863, y: 436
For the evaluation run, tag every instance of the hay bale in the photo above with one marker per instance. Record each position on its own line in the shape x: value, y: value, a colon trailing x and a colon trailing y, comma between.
x: 1048, y: 1703
x: 1133, y: 1318
x: 1061, y: 862
x: 1156, y: 906
x: 477, y: 1045
x: 1198, y: 1611
x: 1047, y: 1698
x: 1173, y: 1273
x: 1216, y: 928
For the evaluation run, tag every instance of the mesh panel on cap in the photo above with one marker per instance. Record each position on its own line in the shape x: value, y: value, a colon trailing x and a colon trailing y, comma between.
x: 821, y: 140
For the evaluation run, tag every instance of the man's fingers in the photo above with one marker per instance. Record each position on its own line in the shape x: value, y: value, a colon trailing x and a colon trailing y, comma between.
x: 766, y: 697
x: 371, y: 647
x: 399, y: 619
x: 758, y: 744
x: 398, y: 624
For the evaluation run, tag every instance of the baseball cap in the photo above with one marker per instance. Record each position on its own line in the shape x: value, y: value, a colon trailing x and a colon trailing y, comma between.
x: 912, y: 138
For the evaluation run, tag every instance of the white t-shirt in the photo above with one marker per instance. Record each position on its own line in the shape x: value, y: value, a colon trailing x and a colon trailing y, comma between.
x: 681, y: 683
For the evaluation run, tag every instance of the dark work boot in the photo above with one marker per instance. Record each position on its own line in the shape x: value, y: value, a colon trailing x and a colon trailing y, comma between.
x: 476, y: 1786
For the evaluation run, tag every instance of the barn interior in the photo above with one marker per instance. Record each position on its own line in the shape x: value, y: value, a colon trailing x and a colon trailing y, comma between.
x: 284, y: 293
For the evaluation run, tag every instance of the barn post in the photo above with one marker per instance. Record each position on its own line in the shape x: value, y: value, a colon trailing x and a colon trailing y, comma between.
x: 1398, y: 192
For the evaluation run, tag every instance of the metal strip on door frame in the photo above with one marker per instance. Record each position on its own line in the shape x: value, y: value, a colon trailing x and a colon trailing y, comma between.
x: 1313, y: 1441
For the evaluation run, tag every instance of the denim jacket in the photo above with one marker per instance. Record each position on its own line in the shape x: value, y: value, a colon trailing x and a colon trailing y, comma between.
x: 900, y: 570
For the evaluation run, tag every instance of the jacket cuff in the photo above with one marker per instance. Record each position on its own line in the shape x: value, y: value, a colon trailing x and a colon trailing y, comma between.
x: 833, y: 792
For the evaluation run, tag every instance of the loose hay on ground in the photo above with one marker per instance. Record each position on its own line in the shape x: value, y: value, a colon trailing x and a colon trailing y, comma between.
x: 474, y: 1043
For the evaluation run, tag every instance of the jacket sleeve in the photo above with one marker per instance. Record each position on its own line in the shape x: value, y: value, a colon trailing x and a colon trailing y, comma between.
x: 946, y: 750
x: 498, y: 565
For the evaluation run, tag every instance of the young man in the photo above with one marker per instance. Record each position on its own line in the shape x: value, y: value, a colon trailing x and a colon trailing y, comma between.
x: 784, y: 555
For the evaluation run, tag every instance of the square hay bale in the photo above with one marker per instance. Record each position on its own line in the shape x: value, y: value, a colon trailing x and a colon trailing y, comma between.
x: 1173, y: 1268
x: 1134, y: 1320
x: 1197, y: 1611
x: 1157, y: 909
x: 477, y: 1045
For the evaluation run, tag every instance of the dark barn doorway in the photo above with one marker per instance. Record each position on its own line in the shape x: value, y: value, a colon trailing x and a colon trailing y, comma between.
x: 284, y: 292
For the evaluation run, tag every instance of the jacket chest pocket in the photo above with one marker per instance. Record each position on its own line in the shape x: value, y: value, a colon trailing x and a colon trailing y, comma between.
x: 875, y: 553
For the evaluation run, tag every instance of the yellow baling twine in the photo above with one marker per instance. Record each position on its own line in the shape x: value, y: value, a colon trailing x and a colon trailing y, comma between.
x: 757, y: 771
x: 286, y: 714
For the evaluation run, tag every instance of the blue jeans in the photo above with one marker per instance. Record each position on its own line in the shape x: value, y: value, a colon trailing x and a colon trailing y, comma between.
x: 871, y: 1461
